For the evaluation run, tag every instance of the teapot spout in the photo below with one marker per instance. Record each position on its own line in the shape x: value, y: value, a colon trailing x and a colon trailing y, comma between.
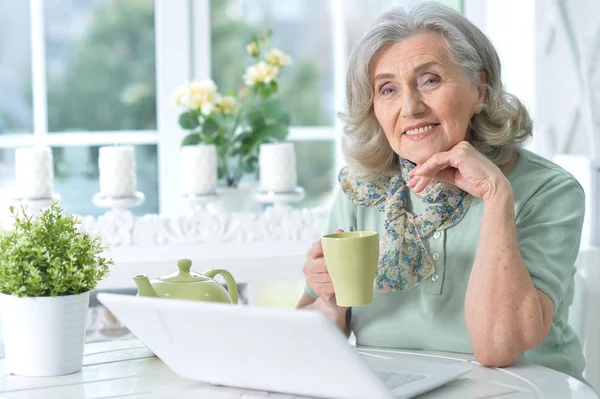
x: 144, y: 286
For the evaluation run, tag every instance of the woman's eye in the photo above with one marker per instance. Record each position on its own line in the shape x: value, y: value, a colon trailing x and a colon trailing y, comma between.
x: 386, y: 90
x: 432, y: 80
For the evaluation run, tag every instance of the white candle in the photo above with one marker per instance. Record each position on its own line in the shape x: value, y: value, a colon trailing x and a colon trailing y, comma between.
x: 277, y: 164
x: 117, y: 171
x: 34, y: 172
x: 198, y: 165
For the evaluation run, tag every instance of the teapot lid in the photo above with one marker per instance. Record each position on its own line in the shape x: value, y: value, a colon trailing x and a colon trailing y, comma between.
x: 184, y: 275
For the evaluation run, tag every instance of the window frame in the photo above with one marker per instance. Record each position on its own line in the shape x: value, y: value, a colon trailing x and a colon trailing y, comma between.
x: 183, y: 51
x: 173, y: 55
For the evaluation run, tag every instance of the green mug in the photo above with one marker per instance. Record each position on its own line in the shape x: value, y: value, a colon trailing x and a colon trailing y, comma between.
x: 351, y: 259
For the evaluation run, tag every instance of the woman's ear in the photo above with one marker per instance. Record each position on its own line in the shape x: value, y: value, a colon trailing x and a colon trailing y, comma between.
x: 481, y: 86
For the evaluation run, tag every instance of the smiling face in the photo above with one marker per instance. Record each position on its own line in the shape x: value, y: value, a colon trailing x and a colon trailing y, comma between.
x: 422, y: 99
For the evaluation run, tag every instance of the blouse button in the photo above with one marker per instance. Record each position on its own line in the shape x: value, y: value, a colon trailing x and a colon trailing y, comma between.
x: 436, y: 256
x: 434, y: 277
x: 437, y: 234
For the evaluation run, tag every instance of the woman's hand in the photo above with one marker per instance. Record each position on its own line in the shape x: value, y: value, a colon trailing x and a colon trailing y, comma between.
x: 317, y: 276
x: 466, y: 168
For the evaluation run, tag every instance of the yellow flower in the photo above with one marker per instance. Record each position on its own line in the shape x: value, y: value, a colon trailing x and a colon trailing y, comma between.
x: 278, y: 58
x: 197, y: 95
x: 252, y: 49
x: 207, y: 108
x: 226, y: 105
x: 178, y: 94
x: 260, y: 73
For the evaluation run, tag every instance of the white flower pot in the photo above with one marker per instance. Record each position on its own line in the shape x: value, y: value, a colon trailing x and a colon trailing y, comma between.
x: 44, y: 336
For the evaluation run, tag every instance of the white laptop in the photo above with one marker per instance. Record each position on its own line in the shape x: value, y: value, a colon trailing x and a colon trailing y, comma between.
x: 289, y: 351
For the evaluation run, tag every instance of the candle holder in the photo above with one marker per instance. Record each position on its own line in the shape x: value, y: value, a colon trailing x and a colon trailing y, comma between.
x: 199, y: 202
x: 281, y: 199
x: 118, y: 203
x: 36, y: 204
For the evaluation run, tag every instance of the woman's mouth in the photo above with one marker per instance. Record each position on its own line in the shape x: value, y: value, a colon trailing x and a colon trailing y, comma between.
x: 421, y: 132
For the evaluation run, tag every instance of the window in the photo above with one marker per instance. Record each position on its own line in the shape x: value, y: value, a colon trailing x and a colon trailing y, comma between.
x: 93, y: 81
x: 15, y: 69
x: 100, y: 66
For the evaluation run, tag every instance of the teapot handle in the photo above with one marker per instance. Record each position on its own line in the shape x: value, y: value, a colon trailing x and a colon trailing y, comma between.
x: 231, y: 285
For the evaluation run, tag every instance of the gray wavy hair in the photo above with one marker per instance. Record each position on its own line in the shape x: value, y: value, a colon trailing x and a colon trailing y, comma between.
x: 500, y: 128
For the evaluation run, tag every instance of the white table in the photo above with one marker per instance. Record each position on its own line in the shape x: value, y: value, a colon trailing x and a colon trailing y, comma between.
x: 128, y: 369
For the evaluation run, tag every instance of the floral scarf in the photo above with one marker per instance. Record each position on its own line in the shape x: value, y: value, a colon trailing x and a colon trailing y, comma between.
x: 403, y: 259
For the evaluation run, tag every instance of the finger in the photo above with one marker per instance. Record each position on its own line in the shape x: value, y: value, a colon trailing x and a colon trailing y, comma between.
x: 413, y: 182
x: 339, y: 231
x: 433, y: 165
x: 318, y: 277
x: 421, y: 184
x: 324, y: 290
x: 315, y: 251
x: 314, y: 266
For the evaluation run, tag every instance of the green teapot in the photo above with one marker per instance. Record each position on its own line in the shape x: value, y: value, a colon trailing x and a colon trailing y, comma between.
x: 189, y: 285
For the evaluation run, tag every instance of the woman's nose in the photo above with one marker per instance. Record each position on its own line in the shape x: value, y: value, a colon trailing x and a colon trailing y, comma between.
x: 412, y: 105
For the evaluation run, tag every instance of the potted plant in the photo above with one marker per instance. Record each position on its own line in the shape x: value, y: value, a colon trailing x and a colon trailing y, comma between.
x: 48, y: 266
x: 237, y: 123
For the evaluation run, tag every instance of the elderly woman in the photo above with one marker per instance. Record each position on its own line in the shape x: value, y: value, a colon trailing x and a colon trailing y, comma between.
x: 478, y: 237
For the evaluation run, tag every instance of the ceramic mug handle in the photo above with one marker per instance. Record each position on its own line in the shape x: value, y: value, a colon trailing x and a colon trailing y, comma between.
x: 231, y: 285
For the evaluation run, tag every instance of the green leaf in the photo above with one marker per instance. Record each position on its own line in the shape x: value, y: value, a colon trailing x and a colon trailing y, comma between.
x: 210, y: 126
x: 219, y: 141
x: 256, y: 137
x: 250, y: 145
x: 189, y: 120
x: 236, y: 150
x: 264, y: 90
x: 208, y: 140
x: 278, y: 131
x: 256, y: 120
x: 221, y: 172
x: 273, y: 86
x: 249, y: 165
x: 273, y: 108
x: 191, y: 139
x: 284, y: 118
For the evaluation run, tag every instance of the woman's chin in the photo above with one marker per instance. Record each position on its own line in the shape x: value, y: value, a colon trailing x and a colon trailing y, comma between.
x: 420, y: 155
x: 417, y: 159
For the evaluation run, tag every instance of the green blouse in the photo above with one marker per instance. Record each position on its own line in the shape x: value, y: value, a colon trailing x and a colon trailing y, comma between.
x: 549, y: 208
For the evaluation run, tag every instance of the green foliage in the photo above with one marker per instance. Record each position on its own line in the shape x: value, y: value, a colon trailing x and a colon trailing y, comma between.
x: 189, y: 120
x: 47, y: 255
x: 250, y: 117
x: 192, y: 139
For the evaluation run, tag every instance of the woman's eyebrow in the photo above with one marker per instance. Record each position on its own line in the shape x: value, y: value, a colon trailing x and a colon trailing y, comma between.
x: 382, y: 76
x: 426, y: 65
x: 418, y: 68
